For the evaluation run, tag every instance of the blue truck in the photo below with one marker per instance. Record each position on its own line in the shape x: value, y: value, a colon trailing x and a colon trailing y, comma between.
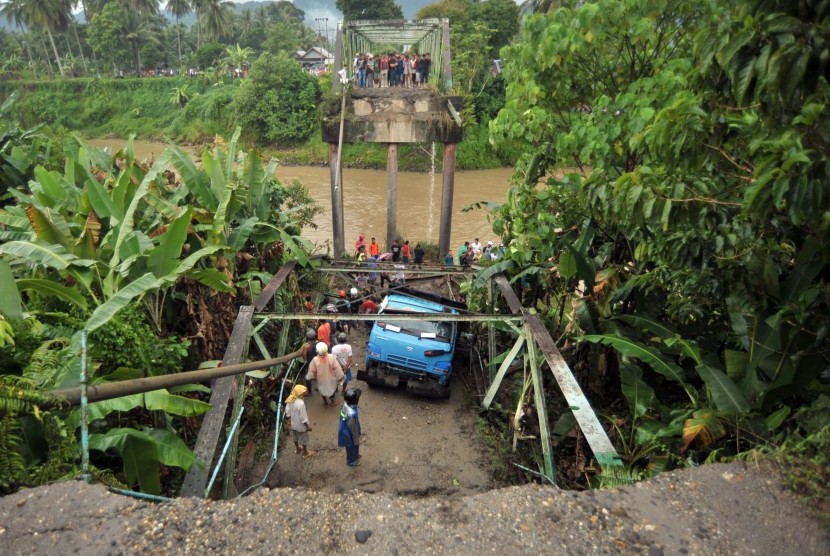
x: 415, y: 354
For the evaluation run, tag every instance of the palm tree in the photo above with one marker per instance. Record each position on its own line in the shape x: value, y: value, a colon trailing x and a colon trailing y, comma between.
x: 12, y: 11
x: 246, y: 20
x: 141, y: 6
x: 70, y: 5
x: 199, y: 8
x: 136, y: 27
x: 262, y: 17
x: 218, y: 17
x: 179, y: 8
x: 49, y: 15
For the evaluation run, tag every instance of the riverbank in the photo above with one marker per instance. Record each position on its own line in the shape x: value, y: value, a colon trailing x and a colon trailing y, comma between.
x: 116, y: 108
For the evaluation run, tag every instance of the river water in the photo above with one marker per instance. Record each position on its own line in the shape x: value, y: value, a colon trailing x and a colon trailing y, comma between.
x: 364, y: 199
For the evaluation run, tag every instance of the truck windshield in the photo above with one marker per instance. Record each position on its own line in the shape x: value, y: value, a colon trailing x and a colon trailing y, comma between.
x: 442, y: 331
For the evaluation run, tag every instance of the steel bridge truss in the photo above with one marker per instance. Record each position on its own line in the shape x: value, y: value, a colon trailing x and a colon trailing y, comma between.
x: 422, y: 35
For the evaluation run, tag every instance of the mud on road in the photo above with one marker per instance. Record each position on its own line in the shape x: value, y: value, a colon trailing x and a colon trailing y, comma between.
x: 411, y: 446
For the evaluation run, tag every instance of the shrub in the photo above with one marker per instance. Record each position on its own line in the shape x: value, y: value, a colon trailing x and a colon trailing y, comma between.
x: 278, y: 102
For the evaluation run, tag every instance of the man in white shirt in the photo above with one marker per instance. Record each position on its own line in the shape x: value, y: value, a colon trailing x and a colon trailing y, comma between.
x: 476, y: 246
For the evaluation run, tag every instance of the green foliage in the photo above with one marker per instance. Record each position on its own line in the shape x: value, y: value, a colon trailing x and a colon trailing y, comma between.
x: 670, y: 203
x: 209, y: 55
x: 278, y: 101
x: 805, y: 463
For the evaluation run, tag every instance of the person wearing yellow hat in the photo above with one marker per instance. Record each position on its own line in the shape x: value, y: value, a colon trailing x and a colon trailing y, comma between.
x: 297, y: 417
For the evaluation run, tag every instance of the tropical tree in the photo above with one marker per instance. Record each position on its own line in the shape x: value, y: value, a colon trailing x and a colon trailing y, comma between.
x: 70, y: 7
x: 179, y: 9
x: 218, y: 18
x: 236, y: 56
x: 50, y: 16
x: 13, y: 12
x: 278, y: 101
x: 678, y: 223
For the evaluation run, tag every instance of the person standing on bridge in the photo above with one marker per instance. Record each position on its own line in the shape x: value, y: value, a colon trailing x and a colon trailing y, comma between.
x: 297, y: 417
x: 419, y: 255
x: 406, y: 251
x: 374, y: 248
x: 348, y: 430
x: 361, y: 240
x: 328, y: 373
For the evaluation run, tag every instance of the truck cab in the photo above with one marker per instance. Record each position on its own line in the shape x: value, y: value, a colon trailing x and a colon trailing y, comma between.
x: 414, y: 354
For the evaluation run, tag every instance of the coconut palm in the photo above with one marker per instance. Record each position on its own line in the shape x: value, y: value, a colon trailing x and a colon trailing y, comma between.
x: 12, y: 11
x: 49, y: 15
x: 218, y: 18
x: 199, y: 8
x: 141, y: 6
x: 70, y: 5
x: 246, y: 20
x: 179, y: 8
x: 137, y: 28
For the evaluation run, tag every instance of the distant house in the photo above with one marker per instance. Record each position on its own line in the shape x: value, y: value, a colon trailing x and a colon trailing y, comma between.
x: 316, y: 55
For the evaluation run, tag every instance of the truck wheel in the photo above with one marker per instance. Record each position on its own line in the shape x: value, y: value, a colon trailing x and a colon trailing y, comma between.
x: 445, y: 393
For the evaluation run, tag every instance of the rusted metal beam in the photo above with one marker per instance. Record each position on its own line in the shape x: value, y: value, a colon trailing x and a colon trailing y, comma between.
x: 414, y: 317
x: 271, y: 288
x: 508, y: 294
x: 212, y: 425
x: 494, y: 386
x: 588, y: 422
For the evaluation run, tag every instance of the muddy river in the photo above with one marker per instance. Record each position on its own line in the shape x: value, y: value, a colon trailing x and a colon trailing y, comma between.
x: 364, y: 199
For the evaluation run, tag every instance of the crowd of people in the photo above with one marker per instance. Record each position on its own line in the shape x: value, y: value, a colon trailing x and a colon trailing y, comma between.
x: 475, y: 252
x: 328, y: 354
x: 391, y: 69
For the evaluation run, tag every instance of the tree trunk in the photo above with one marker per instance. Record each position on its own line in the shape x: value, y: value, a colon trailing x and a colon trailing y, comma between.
x: 55, y: 50
x: 28, y: 50
x: 138, y: 57
x: 80, y: 48
x: 179, y: 39
x: 48, y: 60
x: 198, y: 29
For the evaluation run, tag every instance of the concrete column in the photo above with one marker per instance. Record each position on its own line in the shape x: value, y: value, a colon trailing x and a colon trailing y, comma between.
x: 391, y: 194
x: 337, y: 229
x: 446, y: 198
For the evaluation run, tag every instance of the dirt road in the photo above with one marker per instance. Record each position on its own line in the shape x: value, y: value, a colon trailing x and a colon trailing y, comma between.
x: 412, y: 445
x: 715, y: 509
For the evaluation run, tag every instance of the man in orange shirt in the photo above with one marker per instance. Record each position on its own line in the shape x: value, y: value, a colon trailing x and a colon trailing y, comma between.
x: 407, y: 251
x: 374, y: 248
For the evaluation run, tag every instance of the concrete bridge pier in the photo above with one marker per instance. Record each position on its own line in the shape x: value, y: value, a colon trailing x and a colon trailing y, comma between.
x: 337, y: 221
x: 391, y: 194
x: 447, y: 189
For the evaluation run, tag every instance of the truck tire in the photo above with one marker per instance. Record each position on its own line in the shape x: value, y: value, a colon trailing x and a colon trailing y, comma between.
x: 445, y: 393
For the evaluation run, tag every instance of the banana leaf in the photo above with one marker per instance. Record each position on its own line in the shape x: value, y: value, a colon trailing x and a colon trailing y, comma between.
x: 139, y: 452
x: 49, y: 288
x: 648, y: 355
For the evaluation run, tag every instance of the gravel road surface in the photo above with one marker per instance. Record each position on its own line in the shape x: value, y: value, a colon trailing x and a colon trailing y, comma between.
x: 716, y: 509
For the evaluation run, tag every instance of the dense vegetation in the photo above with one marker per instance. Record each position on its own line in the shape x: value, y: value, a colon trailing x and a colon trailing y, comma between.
x: 152, y: 262
x: 671, y: 216
x: 669, y: 220
x: 132, y: 41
